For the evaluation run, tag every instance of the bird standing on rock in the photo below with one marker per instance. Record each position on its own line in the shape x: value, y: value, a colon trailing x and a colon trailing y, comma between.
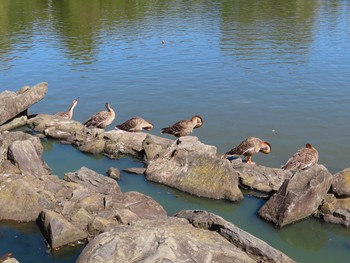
x: 135, y: 124
x: 101, y: 119
x: 249, y: 147
x: 302, y: 159
x: 68, y: 114
x: 184, y: 127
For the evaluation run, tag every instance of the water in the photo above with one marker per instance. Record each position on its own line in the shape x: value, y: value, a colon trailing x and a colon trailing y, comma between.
x: 276, y: 70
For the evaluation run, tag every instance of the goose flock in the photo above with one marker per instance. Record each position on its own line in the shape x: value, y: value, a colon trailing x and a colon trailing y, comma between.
x: 304, y: 158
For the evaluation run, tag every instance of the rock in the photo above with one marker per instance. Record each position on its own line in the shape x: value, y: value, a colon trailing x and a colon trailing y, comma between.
x: 58, y: 230
x: 260, y: 178
x: 25, y: 157
x: 193, y: 167
x: 12, y: 104
x: 19, y: 200
x: 298, y: 197
x: 114, y: 173
x: 15, y: 123
x: 93, y: 147
x: 257, y: 249
x: 341, y: 183
x: 55, y: 127
x: 93, y: 181
x: 165, y: 240
x: 135, y: 170
x: 7, y: 168
x: 154, y: 147
x: 335, y: 210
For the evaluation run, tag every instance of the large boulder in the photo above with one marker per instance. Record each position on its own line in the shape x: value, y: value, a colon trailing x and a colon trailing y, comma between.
x: 257, y: 249
x: 165, y: 240
x: 14, y: 103
x: 298, y: 197
x: 341, y: 183
x: 194, y: 167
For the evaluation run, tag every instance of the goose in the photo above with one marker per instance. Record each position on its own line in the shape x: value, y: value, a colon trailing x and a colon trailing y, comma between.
x: 68, y: 114
x: 183, y: 127
x: 249, y: 147
x: 101, y: 119
x: 304, y: 158
x: 135, y: 124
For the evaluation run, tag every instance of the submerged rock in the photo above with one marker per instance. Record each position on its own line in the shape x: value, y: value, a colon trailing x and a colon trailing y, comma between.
x: 193, y: 167
x: 298, y: 197
x: 15, y: 103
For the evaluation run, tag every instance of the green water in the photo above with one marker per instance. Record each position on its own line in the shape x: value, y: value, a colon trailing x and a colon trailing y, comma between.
x: 278, y: 70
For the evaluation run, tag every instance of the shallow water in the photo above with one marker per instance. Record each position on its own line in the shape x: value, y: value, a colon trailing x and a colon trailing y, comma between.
x: 250, y: 68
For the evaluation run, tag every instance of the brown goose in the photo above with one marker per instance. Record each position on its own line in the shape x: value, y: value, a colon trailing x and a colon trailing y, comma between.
x: 135, y: 124
x: 249, y: 147
x: 302, y: 159
x: 101, y: 119
x: 184, y: 127
x: 68, y: 114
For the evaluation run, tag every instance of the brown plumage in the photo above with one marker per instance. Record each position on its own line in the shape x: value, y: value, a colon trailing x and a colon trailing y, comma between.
x: 135, y: 124
x: 249, y: 147
x: 101, y: 119
x: 68, y: 114
x: 184, y: 127
x: 302, y: 159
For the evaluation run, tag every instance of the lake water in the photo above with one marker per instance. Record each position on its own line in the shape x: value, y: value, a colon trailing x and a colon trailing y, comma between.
x: 278, y: 70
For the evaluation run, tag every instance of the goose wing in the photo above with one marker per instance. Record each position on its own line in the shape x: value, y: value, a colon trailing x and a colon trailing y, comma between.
x: 97, y: 119
x: 129, y: 125
x: 248, y: 147
x: 181, y: 128
x: 302, y: 159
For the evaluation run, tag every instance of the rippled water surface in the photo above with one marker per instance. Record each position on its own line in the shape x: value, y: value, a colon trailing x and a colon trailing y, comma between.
x: 278, y: 70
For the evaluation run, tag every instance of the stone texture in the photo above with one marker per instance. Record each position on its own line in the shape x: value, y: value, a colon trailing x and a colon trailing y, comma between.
x: 135, y: 170
x: 15, y: 123
x: 298, y: 197
x: 260, y: 178
x: 341, y: 183
x: 58, y: 230
x: 257, y: 249
x: 114, y: 173
x: 25, y: 157
x: 165, y: 240
x: 13, y: 104
x: 335, y: 210
x: 193, y: 167
x: 93, y: 181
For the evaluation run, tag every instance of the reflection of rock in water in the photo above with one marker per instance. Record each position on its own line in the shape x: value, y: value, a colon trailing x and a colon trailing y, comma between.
x: 308, y: 234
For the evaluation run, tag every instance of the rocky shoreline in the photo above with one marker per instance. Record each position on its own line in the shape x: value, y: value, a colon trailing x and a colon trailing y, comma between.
x: 86, y: 205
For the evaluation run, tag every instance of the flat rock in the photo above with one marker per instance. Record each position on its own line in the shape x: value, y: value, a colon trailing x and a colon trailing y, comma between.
x: 165, y: 240
x: 257, y: 249
x: 94, y: 181
x: 135, y: 170
x: 298, y: 197
x: 14, y: 103
x: 193, y: 167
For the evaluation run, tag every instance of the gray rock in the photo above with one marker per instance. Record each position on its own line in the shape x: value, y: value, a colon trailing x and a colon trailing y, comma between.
x: 193, y: 167
x: 25, y: 157
x: 260, y: 178
x: 298, y: 197
x: 257, y: 249
x: 341, y: 183
x: 154, y: 147
x: 93, y: 181
x: 335, y: 210
x: 12, y: 104
x: 114, y: 173
x: 19, y: 200
x: 58, y: 230
x: 55, y: 127
x: 165, y: 240
x: 135, y: 170
x: 15, y: 123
